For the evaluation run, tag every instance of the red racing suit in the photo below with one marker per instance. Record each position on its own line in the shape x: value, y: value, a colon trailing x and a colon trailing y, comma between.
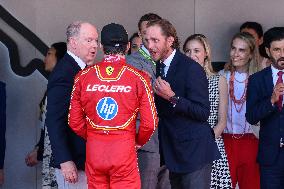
x: 104, y: 104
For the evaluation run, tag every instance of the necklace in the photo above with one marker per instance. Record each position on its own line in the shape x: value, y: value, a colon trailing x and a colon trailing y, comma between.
x: 244, y: 129
x: 240, y: 81
x: 237, y: 102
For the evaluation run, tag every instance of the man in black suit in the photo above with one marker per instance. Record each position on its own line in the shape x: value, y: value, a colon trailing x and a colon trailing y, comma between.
x: 187, y: 143
x: 69, y: 149
x: 265, y: 105
x: 2, y: 129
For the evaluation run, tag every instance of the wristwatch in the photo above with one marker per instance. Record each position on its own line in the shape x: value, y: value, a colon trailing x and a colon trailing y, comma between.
x: 174, y: 100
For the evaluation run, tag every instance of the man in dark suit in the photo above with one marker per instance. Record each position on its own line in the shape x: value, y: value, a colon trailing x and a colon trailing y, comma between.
x: 153, y: 176
x: 2, y: 129
x: 187, y: 143
x: 69, y: 149
x: 265, y: 105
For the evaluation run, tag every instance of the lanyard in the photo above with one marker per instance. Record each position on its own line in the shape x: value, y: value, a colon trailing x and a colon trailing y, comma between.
x: 143, y: 53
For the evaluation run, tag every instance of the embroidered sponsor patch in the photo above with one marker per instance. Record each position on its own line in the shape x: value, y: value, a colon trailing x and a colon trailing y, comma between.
x: 107, y: 108
x: 109, y: 70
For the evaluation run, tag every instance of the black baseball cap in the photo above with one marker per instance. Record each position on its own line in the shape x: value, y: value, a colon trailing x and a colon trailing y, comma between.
x: 114, y: 35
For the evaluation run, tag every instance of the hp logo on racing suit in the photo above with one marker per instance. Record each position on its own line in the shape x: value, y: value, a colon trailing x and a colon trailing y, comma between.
x: 107, y: 108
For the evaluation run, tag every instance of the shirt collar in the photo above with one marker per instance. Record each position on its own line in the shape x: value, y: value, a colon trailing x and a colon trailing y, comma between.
x: 168, y: 60
x: 114, y: 58
x: 145, y: 50
x: 275, y: 74
x: 79, y: 61
x: 275, y: 71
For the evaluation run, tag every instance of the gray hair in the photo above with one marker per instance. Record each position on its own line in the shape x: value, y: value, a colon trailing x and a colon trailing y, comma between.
x: 73, y: 29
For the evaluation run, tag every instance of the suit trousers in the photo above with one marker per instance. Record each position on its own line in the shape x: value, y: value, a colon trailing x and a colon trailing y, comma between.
x: 153, y: 176
x: 200, y: 179
x: 272, y: 176
x: 63, y: 184
x: 242, y: 152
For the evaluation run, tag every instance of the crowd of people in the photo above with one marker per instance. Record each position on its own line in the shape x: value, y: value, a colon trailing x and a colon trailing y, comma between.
x: 153, y: 117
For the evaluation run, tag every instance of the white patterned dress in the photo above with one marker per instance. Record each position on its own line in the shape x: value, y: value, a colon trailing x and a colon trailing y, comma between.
x: 220, y: 175
x: 48, y: 172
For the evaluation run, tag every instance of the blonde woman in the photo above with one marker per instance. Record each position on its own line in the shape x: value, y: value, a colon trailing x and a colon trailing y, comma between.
x: 197, y: 47
x: 241, y: 144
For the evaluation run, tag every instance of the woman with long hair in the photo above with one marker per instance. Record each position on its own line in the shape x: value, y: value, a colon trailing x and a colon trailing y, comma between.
x: 241, y: 144
x: 197, y: 47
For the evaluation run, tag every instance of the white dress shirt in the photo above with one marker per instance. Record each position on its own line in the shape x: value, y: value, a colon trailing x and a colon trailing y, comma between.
x: 79, y: 61
x: 168, y: 61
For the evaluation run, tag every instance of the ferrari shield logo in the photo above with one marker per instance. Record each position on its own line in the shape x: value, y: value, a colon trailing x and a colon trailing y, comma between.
x: 109, y: 70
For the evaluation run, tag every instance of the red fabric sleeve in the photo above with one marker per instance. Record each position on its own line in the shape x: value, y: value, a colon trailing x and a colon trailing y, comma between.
x: 147, y: 109
x: 77, y: 117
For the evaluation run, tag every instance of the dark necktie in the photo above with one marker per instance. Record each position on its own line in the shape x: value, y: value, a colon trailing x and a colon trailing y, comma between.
x: 280, y: 80
x: 162, y: 70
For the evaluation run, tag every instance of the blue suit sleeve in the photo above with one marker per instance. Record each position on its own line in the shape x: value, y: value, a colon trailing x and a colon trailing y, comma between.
x: 196, y: 102
x: 257, y: 106
x: 2, y: 123
x: 58, y: 99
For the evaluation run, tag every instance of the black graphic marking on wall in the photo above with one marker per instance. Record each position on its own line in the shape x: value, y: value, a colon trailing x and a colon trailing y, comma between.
x: 35, y: 64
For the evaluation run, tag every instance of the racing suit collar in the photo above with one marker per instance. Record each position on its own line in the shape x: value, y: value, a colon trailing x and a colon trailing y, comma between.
x: 114, y: 58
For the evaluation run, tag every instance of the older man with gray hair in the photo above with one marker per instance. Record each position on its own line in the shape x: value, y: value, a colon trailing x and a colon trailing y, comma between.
x: 69, y: 149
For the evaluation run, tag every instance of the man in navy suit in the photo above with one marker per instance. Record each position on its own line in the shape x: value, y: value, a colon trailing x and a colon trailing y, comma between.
x: 265, y: 105
x: 69, y: 149
x: 187, y: 143
x: 153, y: 176
x: 2, y: 129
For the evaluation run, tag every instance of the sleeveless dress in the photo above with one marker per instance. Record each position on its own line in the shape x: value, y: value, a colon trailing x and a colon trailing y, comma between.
x: 220, y: 175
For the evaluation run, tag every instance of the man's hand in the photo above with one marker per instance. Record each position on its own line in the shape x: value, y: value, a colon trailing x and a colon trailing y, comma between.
x: 163, y: 88
x: 31, y: 158
x: 1, y: 177
x: 69, y: 171
x: 277, y: 91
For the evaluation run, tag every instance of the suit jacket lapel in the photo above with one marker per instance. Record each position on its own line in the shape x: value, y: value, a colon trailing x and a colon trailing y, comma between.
x: 73, y: 63
x: 268, y: 80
